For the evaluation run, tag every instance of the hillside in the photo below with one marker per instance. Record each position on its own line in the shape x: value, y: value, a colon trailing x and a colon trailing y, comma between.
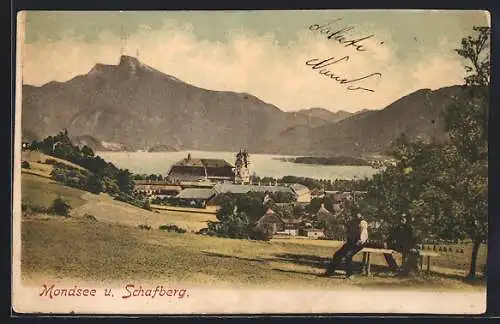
x: 40, y: 164
x: 140, y: 107
x: 39, y: 191
x: 418, y: 115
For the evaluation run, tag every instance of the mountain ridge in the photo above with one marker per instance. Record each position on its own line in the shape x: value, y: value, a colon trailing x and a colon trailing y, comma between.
x: 141, y: 107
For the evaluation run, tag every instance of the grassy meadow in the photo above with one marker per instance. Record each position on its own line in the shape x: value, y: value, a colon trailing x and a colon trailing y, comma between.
x: 110, y: 247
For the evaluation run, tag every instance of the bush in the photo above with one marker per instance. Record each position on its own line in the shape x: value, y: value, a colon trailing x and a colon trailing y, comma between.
x: 25, y: 165
x: 29, y: 209
x: 60, y: 207
x: 145, y: 227
x: 90, y: 217
x: 263, y: 233
x: 172, y: 228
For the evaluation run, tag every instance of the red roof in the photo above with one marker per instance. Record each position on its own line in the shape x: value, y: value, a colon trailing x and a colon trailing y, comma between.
x: 269, y: 211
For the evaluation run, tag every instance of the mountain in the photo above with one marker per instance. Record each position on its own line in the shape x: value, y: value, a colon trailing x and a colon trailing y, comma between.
x: 418, y: 115
x: 132, y: 106
x: 140, y: 107
x: 325, y: 114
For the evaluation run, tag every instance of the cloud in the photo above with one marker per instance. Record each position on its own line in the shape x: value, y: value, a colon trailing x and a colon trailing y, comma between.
x: 274, y: 72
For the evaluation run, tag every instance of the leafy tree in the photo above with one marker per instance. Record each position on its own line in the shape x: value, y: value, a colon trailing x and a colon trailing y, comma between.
x: 467, y: 126
x: 94, y: 184
x: 60, y: 207
x: 403, y: 189
x: 442, y: 188
x: 314, y: 205
x: 284, y: 211
x: 252, y: 205
x: 238, y: 214
x: 298, y: 211
x: 124, y: 181
x: 282, y: 197
x: 87, y: 151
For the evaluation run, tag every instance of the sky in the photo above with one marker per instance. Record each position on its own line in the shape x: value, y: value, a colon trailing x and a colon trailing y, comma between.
x: 274, y: 55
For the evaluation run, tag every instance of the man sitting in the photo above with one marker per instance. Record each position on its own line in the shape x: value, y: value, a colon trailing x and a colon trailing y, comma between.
x: 357, y: 237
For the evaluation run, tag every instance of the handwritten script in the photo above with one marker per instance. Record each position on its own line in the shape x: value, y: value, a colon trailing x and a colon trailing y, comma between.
x: 340, y: 37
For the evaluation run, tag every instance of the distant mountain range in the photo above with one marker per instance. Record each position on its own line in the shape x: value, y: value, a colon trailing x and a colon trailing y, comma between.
x: 327, y: 115
x: 131, y: 106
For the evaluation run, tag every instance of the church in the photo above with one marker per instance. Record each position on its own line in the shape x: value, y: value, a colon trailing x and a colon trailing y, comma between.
x: 192, y: 170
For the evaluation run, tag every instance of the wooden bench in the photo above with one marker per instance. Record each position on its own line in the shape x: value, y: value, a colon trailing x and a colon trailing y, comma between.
x: 366, y: 263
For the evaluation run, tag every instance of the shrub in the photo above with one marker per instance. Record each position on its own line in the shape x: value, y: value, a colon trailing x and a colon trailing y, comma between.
x: 25, y: 165
x: 172, y: 228
x: 31, y: 209
x: 145, y: 227
x: 50, y: 161
x: 90, y: 217
x: 60, y: 207
x: 261, y: 233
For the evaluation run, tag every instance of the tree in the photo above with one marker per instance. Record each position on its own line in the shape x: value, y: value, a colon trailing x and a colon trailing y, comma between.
x: 237, y: 216
x: 87, y: 151
x: 404, y: 189
x: 94, y: 184
x: 467, y: 125
x: 442, y: 187
x: 124, y: 181
x: 60, y: 207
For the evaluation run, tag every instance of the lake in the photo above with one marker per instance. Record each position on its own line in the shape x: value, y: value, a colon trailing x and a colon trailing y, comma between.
x: 263, y: 165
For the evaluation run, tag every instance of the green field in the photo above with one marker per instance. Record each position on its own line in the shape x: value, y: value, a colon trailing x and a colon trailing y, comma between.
x: 111, y: 247
x: 96, y: 251
x: 40, y: 191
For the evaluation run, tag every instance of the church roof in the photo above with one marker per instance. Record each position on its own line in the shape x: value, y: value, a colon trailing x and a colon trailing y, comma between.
x: 208, y: 163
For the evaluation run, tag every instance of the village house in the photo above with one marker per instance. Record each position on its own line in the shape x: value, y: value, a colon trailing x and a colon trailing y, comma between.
x: 159, y: 189
x: 195, y: 197
x: 271, y: 220
x: 288, y: 227
x: 314, y: 233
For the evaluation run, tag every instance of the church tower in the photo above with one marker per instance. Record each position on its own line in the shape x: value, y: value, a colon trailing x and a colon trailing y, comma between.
x: 241, y: 170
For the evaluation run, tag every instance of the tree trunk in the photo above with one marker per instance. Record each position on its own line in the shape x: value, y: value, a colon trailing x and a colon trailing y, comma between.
x: 409, y: 266
x: 476, y: 243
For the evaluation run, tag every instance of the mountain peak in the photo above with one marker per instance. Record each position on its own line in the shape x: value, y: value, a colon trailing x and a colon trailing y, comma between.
x: 129, y: 62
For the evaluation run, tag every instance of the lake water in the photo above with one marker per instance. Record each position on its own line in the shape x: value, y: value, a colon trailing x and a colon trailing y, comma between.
x: 263, y: 165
